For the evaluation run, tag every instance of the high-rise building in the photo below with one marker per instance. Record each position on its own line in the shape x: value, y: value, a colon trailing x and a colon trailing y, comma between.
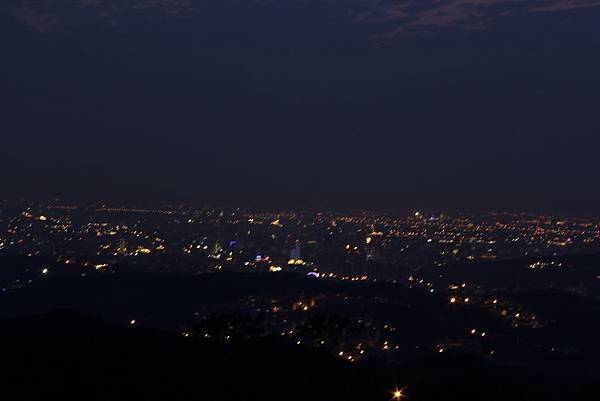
x: 217, y: 249
x: 122, y: 249
x: 295, y: 252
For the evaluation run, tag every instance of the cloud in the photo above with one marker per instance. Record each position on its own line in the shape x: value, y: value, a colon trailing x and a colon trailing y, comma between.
x: 391, y: 18
x: 46, y: 15
x: 564, y: 5
x: 407, y: 17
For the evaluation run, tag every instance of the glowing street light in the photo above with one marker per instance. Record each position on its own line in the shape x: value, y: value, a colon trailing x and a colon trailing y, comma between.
x: 398, y: 394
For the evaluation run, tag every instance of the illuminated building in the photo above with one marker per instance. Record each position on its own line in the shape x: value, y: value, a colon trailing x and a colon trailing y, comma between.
x: 122, y: 250
x: 295, y: 252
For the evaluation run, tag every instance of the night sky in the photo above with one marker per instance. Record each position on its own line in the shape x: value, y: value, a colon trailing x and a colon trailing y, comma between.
x: 464, y: 104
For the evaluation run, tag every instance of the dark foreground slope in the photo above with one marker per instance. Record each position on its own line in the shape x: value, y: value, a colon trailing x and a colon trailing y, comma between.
x: 70, y: 338
x: 67, y: 356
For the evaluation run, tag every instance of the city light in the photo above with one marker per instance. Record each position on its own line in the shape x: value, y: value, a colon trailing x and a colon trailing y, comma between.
x: 398, y: 394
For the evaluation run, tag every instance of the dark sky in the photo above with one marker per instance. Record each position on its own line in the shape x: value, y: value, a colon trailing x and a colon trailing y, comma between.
x: 349, y: 103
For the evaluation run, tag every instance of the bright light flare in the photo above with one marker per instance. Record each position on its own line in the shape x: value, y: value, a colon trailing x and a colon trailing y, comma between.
x: 398, y: 394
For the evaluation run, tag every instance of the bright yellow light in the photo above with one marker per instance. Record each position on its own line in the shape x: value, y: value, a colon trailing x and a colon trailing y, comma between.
x: 398, y: 394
